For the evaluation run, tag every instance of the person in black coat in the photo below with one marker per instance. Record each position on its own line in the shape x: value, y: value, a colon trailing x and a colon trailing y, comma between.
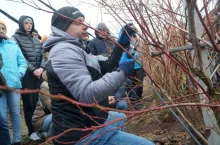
x: 33, y: 53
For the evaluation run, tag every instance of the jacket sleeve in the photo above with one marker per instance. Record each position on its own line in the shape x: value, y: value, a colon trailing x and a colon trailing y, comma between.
x: 112, y: 62
x: 121, y: 92
x: 73, y: 73
x: 92, y: 48
x: 22, y: 64
x: 42, y: 65
x: 30, y: 66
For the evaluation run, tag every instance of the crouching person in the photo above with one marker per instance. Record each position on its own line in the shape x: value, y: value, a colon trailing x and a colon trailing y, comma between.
x: 74, y: 73
x: 42, y: 118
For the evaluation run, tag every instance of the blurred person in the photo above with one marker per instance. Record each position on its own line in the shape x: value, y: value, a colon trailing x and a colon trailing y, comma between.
x: 135, y: 83
x: 32, y: 50
x: 73, y: 72
x: 13, y: 68
x: 35, y: 34
x: 101, y: 45
x: 42, y: 118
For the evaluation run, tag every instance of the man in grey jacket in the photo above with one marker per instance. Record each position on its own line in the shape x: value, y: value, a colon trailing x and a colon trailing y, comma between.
x: 76, y: 74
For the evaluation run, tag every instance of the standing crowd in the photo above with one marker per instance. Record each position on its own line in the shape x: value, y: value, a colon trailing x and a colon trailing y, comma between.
x: 67, y: 63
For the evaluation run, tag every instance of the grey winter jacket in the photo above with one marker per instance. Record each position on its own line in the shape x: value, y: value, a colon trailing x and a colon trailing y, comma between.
x: 76, y: 74
x: 71, y: 63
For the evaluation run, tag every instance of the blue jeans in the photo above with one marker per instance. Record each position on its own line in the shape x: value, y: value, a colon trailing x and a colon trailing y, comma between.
x: 112, y: 135
x: 122, y: 104
x: 11, y: 101
x: 47, y: 124
x: 120, y: 95
x: 4, y: 130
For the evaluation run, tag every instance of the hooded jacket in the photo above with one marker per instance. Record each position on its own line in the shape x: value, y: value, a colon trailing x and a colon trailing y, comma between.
x: 14, y: 64
x: 30, y: 46
x: 76, y: 74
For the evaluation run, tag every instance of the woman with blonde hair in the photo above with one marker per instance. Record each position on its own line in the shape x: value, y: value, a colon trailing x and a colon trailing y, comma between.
x: 13, y: 68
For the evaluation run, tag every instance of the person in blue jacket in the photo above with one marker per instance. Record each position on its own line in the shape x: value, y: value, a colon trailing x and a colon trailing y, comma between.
x: 135, y: 83
x: 13, y: 69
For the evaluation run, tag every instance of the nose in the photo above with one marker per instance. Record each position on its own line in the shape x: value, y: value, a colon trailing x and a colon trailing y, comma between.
x: 85, y: 27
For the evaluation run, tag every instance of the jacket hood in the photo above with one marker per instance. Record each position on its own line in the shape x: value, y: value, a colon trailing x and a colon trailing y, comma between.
x: 21, y: 23
x: 59, y: 36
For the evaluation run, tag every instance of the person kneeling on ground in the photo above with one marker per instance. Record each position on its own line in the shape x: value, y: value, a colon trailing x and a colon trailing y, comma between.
x: 74, y: 73
x: 42, y: 118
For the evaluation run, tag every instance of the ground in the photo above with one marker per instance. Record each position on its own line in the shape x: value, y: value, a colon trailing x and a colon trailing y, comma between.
x: 154, y: 126
x: 169, y: 132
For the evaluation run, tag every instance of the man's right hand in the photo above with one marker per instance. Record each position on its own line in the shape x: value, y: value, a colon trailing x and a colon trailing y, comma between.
x: 111, y: 100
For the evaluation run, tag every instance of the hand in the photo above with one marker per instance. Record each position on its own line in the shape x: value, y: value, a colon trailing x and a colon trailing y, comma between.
x: 127, y: 64
x: 38, y: 72
x: 123, y: 37
x: 111, y: 99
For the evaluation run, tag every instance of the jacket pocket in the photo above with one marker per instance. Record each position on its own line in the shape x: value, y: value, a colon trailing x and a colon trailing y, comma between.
x: 13, y: 79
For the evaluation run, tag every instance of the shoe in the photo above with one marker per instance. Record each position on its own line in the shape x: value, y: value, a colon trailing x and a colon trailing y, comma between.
x: 34, y: 136
x: 43, y: 135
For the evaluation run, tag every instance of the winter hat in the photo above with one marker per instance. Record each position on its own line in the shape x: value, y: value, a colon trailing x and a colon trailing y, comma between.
x: 3, y: 23
x: 35, y: 31
x: 21, y: 23
x: 101, y: 26
x: 63, y: 23
x: 28, y: 19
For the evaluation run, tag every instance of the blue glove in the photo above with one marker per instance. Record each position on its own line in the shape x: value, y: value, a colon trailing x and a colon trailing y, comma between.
x: 123, y: 38
x: 126, y: 64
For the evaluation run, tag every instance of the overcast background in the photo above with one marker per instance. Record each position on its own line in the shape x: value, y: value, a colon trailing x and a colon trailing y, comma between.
x: 93, y: 14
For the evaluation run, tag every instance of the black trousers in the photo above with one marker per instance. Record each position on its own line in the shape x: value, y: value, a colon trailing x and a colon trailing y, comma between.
x: 136, y: 80
x: 30, y: 100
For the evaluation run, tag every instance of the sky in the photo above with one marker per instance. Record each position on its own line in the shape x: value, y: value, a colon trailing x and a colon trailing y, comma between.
x: 93, y: 14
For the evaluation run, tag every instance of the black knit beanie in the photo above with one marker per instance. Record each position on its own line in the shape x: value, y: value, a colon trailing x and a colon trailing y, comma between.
x: 63, y: 23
